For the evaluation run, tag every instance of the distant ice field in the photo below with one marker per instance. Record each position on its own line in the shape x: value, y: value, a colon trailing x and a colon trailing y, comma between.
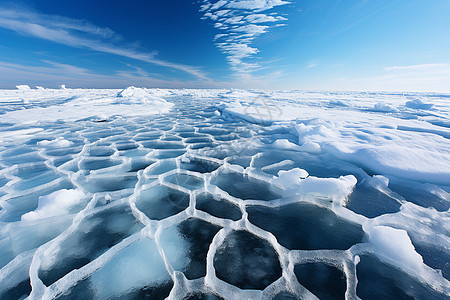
x: 223, y: 194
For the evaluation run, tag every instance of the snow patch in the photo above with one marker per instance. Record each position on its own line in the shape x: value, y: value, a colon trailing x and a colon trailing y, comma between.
x: 309, y: 147
x: 133, y: 92
x: 383, y: 107
x: 56, y: 143
x: 99, y: 105
x: 55, y: 204
x: 334, y: 189
x: 418, y: 104
x: 23, y: 87
x: 298, y: 181
x: 290, y: 180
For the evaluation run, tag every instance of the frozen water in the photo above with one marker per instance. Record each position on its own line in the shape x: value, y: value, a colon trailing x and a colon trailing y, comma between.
x: 324, y: 281
x: 57, y: 203
x: 246, y: 261
x: 223, y: 194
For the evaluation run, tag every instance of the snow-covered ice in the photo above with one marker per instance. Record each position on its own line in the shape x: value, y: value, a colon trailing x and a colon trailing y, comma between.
x: 223, y: 194
x: 55, y: 204
x: 77, y: 104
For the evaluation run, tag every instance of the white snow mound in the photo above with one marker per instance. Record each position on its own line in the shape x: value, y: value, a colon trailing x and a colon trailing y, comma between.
x: 56, y: 143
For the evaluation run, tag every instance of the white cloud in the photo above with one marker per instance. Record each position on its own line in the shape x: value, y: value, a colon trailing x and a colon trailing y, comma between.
x: 252, y: 30
x: 261, y: 18
x: 243, y: 17
x: 53, y: 74
x: 258, y: 5
x: 421, y: 77
x: 234, y: 20
x: 218, y: 4
x: 433, y: 68
x: 81, y: 34
x: 221, y: 13
x: 411, y: 78
x: 58, y: 22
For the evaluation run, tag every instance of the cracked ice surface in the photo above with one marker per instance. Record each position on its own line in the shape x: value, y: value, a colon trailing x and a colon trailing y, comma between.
x: 218, y: 194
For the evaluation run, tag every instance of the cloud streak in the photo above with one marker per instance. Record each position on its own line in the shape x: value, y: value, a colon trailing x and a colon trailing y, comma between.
x: 240, y: 22
x: 82, y: 34
x: 53, y: 74
x: 432, y: 77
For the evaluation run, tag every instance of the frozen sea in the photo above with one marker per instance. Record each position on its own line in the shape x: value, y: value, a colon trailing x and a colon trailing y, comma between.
x: 223, y: 194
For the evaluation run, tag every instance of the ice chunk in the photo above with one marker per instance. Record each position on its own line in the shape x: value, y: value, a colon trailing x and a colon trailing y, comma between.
x: 56, y: 143
x: 55, y: 204
x: 335, y: 189
x: 291, y: 179
x: 332, y: 188
x: 418, y: 104
x: 132, y: 92
x: 383, y: 107
x: 23, y: 87
x: 139, y: 95
x: 379, y: 181
x: 395, y: 245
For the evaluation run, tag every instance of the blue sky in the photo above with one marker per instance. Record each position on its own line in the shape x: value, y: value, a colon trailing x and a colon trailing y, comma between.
x: 391, y: 45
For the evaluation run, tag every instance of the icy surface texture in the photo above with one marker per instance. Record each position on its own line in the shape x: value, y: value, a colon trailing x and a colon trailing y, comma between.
x: 219, y: 194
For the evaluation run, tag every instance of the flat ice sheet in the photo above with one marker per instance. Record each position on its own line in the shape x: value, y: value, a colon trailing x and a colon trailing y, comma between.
x: 151, y: 193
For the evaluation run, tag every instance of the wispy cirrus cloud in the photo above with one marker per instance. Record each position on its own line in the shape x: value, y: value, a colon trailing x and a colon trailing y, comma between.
x: 53, y: 74
x: 428, y: 77
x: 421, y: 68
x: 82, y: 34
x: 240, y: 22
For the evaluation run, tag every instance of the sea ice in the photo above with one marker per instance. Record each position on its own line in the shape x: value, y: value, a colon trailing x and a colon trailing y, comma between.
x: 80, y: 104
x: 394, y: 244
x: 168, y: 193
x: 55, y: 204
x: 139, y: 266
